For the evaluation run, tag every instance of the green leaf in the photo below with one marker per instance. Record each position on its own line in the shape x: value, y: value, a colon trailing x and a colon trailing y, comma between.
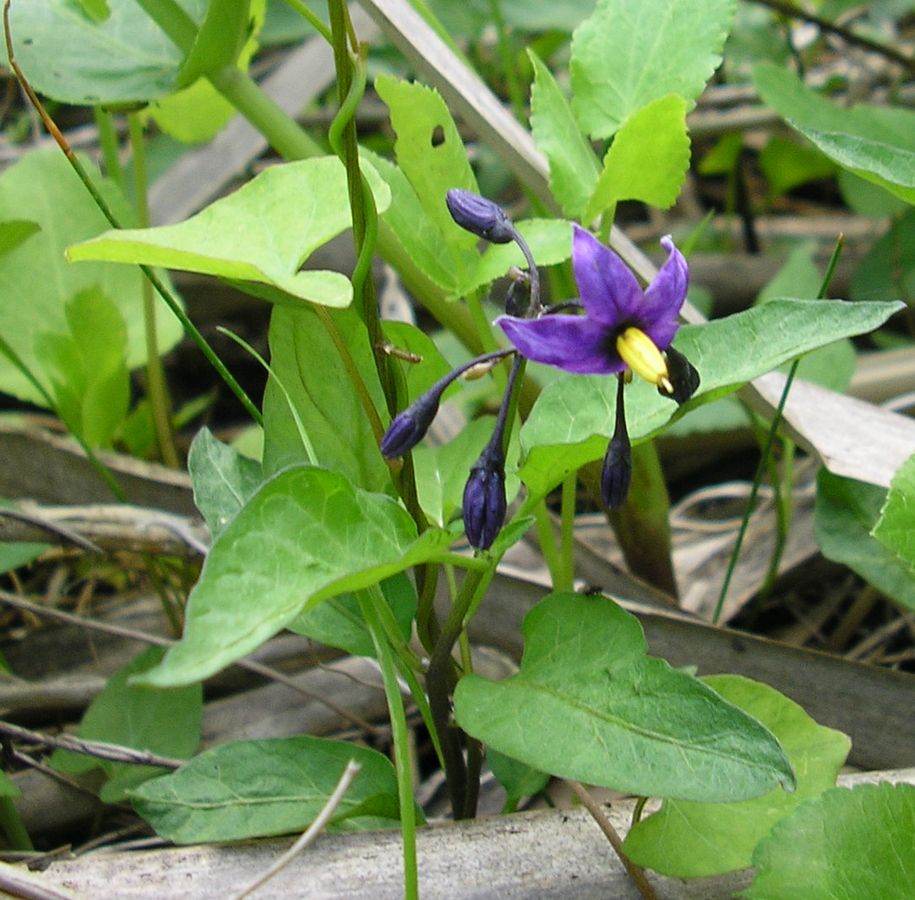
x: 888, y: 268
x: 573, y: 166
x: 868, y: 199
x: 847, y: 843
x: 689, y: 840
x: 894, y: 527
x: 432, y: 365
x: 247, y: 789
x: 550, y: 242
x: 306, y: 360
x: 886, y: 165
x: 589, y: 704
x: 431, y: 154
x: 442, y: 471
x: 626, y: 55
x: 877, y: 143
x: 223, y: 479
x: 518, y: 779
x: 259, y: 235
x: 97, y: 10
x: 787, y: 164
x: 14, y: 232
x: 306, y: 535
x: 162, y: 721
x: 37, y: 281
x: 337, y: 622
x: 833, y: 365
x: 124, y: 59
x: 844, y: 515
x: 648, y: 158
x: 87, y: 369
x: 573, y: 417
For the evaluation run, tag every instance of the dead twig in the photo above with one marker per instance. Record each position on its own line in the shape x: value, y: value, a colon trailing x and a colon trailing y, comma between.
x: 132, y: 634
x: 636, y: 873
x: 308, y: 837
x: 98, y: 749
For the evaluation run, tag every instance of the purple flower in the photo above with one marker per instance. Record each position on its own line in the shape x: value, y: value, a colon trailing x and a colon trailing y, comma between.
x: 623, y: 326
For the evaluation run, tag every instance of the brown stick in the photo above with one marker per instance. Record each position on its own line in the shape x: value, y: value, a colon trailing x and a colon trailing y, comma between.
x: 636, y: 873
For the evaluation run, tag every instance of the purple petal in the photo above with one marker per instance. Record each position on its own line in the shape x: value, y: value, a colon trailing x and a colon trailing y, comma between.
x: 664, y: 297
x: 572, y: 343
x: 607, y: 288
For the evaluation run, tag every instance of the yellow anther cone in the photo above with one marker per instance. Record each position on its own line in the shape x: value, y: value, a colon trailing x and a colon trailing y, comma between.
x: 639, y: 352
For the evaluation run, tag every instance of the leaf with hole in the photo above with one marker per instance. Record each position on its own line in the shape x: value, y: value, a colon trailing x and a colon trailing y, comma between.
x: 589, y: 704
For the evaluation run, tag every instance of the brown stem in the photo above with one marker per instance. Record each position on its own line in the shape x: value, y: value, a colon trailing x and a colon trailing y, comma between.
x: 636, y: 873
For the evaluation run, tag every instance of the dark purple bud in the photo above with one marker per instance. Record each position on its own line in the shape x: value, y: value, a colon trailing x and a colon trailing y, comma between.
x: 480, y: 216
x: 683, y: 376
x: 409, y: 427
x: 484, y: 500
x: 616, y: 473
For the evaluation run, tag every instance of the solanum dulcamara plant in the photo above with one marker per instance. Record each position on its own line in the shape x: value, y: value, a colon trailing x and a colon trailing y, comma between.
x: 623, y: 330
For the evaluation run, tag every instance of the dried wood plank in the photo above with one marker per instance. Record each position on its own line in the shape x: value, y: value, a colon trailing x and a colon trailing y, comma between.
x: 887, y: 440
x: 53, y: 469
x: 544, y: 854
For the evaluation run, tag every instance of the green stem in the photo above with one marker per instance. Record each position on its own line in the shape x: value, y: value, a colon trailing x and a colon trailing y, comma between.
x: 567, y: 533
x: 547, y: 539
x: 156, y: 387
x: 108, y: 141
x: 311, y: 18
x: 270, y: 119
x: 767, y: 447
x: 369, y: 602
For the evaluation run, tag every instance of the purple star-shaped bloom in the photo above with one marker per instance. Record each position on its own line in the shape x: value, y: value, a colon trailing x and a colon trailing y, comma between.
x: 613, y: 302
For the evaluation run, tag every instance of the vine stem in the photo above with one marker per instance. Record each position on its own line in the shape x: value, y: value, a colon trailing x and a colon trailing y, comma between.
x: 156, y: 385
x: 636, y: 873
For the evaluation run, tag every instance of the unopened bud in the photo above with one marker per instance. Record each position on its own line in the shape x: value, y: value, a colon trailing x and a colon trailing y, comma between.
x: 484, y: 500
x: 480, y: 216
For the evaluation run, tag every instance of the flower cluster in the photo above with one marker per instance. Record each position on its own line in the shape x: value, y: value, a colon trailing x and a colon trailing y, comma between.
x: 624, y: 329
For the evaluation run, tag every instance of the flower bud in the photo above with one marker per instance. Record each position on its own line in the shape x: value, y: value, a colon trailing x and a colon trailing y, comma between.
x: 484, y: 500
x: 409, y: 427
x: 617, y: 470
x: 480, y: 216
x: 616, y: 473
x: 684, y: 379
